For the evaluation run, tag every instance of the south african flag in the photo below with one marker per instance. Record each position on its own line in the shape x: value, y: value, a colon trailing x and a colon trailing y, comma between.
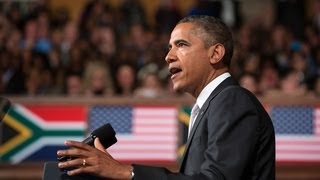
x: 36, y: 132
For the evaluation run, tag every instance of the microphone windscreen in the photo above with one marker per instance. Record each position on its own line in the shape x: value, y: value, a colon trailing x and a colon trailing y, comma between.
x: 106, y: 135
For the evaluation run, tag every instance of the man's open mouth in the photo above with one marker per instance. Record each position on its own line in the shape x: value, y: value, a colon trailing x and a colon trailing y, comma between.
x: 174, y: 70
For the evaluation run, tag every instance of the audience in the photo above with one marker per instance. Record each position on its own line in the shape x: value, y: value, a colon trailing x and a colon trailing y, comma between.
x: 149, y: 86
x: 250, y: 82
x: 290, y: 85
x: 97, y: 79
x: 44, y: 52
x: 73, y: 86
x: 125, y: 82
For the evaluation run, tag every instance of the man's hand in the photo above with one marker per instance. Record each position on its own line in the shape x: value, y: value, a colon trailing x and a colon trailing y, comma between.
x: 90, y: 160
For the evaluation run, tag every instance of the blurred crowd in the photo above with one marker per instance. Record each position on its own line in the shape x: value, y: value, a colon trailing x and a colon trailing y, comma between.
x: 117, y: 52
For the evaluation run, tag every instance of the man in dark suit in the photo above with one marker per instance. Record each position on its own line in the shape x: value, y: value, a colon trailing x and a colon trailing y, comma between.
x: 232, y: 136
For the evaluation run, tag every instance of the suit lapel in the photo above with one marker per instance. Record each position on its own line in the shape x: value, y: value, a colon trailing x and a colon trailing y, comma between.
x: 229, y: 81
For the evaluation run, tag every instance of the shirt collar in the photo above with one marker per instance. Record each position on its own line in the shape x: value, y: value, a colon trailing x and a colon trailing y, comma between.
x: 206, y: 91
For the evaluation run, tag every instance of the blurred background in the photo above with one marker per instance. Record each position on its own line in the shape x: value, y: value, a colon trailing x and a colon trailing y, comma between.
x: 68, y: 67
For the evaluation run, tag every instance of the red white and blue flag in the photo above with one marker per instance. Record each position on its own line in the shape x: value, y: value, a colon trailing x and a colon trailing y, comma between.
x: 144, y: 133
x: 297, y: 133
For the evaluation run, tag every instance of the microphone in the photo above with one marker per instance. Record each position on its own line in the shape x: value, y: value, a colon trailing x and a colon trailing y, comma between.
x: 106, y: 135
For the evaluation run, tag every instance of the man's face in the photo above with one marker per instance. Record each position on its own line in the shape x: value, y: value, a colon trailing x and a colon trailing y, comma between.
x: 188, y: 60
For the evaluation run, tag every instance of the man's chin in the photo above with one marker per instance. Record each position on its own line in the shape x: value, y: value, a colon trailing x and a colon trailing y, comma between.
x: 178, y: 89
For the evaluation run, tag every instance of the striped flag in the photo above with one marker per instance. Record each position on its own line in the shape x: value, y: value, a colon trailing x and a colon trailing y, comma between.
x: 36, y: 132
x: 297, y: 133
x: 144, y: 133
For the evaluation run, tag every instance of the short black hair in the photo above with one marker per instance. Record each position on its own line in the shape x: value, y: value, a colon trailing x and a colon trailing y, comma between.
x: 215, y: 31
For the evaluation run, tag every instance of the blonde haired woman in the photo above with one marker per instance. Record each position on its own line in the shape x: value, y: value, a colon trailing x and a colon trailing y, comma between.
x: 97, y: 79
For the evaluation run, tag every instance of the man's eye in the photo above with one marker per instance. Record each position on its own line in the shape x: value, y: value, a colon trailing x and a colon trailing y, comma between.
x: 181, y: 44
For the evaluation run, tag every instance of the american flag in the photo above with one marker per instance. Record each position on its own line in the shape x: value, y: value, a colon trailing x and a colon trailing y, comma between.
x: 144, y: 133
x: 297, y: 133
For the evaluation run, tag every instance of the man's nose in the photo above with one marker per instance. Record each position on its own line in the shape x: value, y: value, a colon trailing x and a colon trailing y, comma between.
x: 170, y: 57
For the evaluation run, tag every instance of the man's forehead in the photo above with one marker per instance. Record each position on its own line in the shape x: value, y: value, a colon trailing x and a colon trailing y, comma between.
x: 182, y: 30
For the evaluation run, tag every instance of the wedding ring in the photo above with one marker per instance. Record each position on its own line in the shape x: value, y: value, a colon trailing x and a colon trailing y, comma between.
x: 84, y: 162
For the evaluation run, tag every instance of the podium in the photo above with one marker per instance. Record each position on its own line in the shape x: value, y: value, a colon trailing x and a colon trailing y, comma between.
x: 51, y: 171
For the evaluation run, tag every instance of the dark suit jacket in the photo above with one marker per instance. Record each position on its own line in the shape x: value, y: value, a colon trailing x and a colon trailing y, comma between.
x: 232, y: 139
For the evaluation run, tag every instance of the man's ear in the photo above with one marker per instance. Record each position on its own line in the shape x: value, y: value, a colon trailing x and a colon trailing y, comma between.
x: 216, y: 53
